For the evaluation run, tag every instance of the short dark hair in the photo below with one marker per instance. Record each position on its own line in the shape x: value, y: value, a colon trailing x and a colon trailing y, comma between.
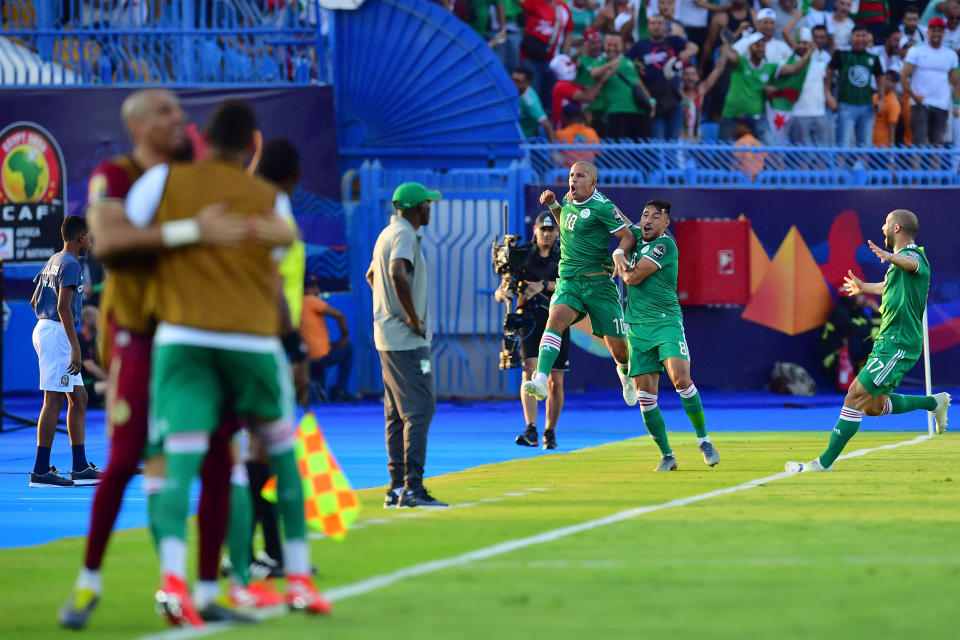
x: 860, y: 27
x: 662, y: 206
x: 823, y: 27
x: 231, y: 126
x: 525, y: 72
x: 279, y: 162
x: 890, y: 32
x: 907, y: 220
x: 911, y: 8
x: 72, y: 227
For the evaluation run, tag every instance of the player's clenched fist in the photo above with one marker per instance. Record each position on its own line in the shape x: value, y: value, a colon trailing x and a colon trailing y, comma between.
x: 547, y: 198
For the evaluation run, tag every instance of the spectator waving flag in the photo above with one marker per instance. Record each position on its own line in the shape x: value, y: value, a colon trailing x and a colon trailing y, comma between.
x: 786, y: 92
x: 329, y: 501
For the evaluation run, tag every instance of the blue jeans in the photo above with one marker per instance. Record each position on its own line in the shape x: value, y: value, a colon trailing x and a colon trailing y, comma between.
x: 812, y: 130
x: 667, y: 127
x: 855, y: 125
x: 759, y: 124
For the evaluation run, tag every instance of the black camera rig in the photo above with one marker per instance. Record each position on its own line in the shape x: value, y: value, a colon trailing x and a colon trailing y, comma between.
x: 509, y: 257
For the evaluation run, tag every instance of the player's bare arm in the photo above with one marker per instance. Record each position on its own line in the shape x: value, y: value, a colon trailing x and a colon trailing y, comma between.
x: 627, y: 243
x: 65, y: 311
x: 116, y: 235
x: 547, y: 198
x: 853, y: 285
x: 639, y: 272
x: 901, y: 261
x: 270, y: 229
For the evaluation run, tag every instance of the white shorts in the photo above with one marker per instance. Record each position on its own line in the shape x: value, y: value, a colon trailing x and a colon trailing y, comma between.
x: 53, y: 350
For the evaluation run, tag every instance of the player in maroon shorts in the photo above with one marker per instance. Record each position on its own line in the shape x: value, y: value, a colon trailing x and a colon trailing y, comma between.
x: 155, y: 122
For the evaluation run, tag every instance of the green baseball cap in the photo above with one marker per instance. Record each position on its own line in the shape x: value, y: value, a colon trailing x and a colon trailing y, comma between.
x: 410, y: 194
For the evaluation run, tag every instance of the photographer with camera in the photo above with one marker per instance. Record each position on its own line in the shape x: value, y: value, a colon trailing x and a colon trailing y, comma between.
x: 532, y: 283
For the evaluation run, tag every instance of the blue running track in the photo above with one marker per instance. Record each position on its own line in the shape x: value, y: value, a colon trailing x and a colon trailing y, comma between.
x: 463, y: 435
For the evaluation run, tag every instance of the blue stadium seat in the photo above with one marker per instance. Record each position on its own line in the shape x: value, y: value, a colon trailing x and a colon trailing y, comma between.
x: 709, y: 132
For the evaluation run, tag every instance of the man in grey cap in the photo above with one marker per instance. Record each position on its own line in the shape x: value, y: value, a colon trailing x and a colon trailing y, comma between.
x: 401, y: 333
x: 539, y: 280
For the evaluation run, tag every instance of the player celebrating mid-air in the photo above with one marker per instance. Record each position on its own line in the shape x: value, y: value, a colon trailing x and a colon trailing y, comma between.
x: 585, y: 285
x: 656, y: 337
x: 897, y: 346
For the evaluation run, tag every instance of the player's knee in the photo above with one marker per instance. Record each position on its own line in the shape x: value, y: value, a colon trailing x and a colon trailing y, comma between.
x: 682, y: 383
x: 874, y: 407
x: 155, y: 467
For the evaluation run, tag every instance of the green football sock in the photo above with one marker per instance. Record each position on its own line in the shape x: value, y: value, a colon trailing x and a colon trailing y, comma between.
x: 900, y: 403
x: 846, y: 426
x: 171, y: 506
x: 153, y: 487
x: 240, y: 525
x: 549, y: 350
x: 289, y: 494
x: 623, y: 368
x: 654, y: 422
x: 690, y: 399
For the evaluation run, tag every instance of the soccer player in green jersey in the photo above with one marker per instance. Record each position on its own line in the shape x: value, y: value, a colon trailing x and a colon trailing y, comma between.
x: 898, y: 344
x: 655, y: 336
x: 585, y: 286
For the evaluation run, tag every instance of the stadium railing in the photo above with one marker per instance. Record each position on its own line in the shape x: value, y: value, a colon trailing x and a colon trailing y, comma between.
x: 174, y: 42
x: 704, y: 164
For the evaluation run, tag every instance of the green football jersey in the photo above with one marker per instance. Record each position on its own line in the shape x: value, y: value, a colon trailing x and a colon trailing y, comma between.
x: 904, y: 299
x: 585, y: 229
x: 655, y: 299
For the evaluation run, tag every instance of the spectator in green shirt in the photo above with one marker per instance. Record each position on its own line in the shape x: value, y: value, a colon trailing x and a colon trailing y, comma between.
x: 855, y: 69
x: 625, y: 118
x: 532, y: 115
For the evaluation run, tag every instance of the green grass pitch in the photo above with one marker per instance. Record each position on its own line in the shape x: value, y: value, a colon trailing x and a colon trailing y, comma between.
x: 869, y: 551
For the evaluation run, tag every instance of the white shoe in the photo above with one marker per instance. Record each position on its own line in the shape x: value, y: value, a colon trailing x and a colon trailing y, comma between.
x: 940, y: 413
x: 801, y: 467
x: 629, y: 390
x: 536, y: 387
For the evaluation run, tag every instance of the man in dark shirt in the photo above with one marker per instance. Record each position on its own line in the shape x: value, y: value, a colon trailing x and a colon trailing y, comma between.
x: 94, y: 376
x: 854, y: 93
x: 540, y: 277
x: 661, y: 56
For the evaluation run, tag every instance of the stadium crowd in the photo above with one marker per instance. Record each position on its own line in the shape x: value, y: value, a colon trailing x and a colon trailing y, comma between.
x: 825, y: 72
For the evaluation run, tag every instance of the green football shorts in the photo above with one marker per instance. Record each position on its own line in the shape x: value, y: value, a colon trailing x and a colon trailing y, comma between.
x: 192, y: 386
x: 650, y: 345
x: 885, y: 368
x: 594, y: 296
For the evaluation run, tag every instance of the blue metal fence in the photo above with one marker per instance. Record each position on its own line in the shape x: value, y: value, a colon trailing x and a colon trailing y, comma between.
x: 174, y: 42
x: 730, y: 166
x: 465, y: 319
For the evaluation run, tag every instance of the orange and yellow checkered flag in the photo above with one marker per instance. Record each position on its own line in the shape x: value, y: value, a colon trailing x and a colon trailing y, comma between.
x: 330, y: 503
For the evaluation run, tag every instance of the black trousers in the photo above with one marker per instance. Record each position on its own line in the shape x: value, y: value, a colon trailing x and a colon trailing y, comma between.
x: 409, y: 402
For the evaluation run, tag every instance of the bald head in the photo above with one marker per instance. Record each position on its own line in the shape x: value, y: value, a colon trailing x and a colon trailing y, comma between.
x: 155, y: 123
x: 909, y: 225
x: 587, y: 167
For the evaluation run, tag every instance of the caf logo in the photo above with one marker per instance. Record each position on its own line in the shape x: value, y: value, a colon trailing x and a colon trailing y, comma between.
x: 31, y: 165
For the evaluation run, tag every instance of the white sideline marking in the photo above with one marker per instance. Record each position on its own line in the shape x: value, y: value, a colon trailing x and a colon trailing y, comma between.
x: 378, y: 582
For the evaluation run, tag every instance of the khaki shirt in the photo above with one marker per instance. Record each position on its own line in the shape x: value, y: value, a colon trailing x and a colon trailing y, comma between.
x: 398, y: 241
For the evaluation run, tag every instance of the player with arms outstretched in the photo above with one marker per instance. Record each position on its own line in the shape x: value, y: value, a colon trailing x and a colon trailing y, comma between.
x: 585, y: 286
x: 898, y: 345
x: 656, y: 337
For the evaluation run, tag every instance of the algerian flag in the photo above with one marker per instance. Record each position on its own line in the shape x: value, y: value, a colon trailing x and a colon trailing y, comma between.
x: 784, y: 97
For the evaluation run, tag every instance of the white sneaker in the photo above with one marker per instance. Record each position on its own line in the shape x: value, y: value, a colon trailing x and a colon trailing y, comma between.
x: 629, y: 390
x: 940, y: 413
x: 536, y: 387
x: 801, y: 467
